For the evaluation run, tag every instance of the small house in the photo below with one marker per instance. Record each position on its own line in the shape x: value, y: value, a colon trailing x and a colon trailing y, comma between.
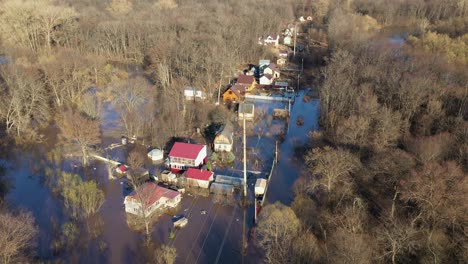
x: 224, y: 139
x: 281, y: 61
x: 272, y: 69
x: 149, y: 197
x: 287, y: 40
x: 199, y: 178
x: 185, y: 155
x: 247, y: 111
x: 266, y: 79
x: 234, y: 94
x: 248, y: 81
x: 192, y: 93
x: 271, y: 40
x: 260, y: 186
x: 302, y: 19
x: 283, y: 53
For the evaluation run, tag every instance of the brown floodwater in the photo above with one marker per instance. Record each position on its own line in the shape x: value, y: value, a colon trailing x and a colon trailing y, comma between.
x: 214, y: 237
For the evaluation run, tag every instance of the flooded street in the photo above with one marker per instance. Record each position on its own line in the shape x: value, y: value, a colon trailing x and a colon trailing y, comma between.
x: 214, y: 237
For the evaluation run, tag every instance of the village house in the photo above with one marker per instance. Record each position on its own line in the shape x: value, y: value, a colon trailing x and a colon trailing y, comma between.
x: 271, y: 40
x: 283, y: 53
x: 266, y: 79
x: 247, y: 111
x: 281, y: 61
x: 149, y: 197
x: 248, y: 81
x: 199, y: 178
x: 192, y: 93
x: 185, y: 155
x: 287, y: 40
x: 224, y: 139
x: 234, y: 94
x: 272, y: 69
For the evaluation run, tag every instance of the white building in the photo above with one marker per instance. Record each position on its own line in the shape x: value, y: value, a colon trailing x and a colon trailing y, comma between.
x: 271, y: 40
x: 266, y: 79
x: 272, y: 69
x: 287, y: 40
x: 184, y: 155
x: 192, y: 93
x: 156, y: 155
x: 149, y: 197
x: 247, y: 110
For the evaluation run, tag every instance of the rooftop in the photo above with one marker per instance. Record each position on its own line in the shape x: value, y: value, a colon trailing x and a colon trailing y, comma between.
x: 245, y: 79
x: 185, y: 150
x: 150, y: 192
x: 197, y: 174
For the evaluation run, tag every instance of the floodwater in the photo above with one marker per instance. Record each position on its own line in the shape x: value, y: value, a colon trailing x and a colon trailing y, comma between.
x: 214, y: 237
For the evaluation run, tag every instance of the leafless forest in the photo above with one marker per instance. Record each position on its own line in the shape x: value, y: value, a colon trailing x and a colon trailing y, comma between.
x: 385, y: 179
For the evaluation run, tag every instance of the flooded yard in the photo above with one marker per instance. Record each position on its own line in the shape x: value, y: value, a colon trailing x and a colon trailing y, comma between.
x: 211, y: 237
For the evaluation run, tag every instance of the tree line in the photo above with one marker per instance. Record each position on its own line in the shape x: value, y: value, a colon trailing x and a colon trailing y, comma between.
x: 385, y: 179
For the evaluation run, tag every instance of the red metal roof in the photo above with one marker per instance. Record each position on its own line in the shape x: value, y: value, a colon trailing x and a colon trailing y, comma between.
x: 185, y: 150
x: 245, y: 79
x: 150, y: 193
x: 203, y: 175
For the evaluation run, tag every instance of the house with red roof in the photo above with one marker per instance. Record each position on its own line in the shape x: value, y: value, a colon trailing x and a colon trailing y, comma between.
x: 185, y: 155
x: 199, y: 178
x: 149, y: 197
x: 248, y: 81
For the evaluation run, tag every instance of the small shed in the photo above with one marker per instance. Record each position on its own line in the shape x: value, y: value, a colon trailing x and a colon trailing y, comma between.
x: 221, y: 188
x: 224, y: 139
x: 247, y: 111
x: 230, y: 180
x: 280, y: 113
x: 287, y: 40
x: 260, y: 186
x: 281, y: 61
x: 168, y: 176
x: 156, y: 155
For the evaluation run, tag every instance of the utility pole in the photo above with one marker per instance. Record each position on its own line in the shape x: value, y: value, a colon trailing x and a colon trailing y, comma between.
x: 245, y: 154
x: 276, y: 151
x: 295, y: 36
x: 219, y: 87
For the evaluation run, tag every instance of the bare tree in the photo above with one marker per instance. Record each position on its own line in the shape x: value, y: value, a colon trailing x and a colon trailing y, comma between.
x: 331, y: 167
x: 25, y: 100
x: 80, y: 131
x: 17, y: 234
x: 143, y: 191
x: 134, y: 102
x: 277, y: 228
